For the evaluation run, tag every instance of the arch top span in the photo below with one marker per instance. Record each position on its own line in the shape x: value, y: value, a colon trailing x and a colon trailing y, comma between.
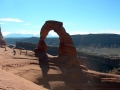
x: 54, y: 22
x: 57, y: 26
x: 66, y: 46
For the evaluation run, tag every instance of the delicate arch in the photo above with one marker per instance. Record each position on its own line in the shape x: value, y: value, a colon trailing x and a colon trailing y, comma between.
x: 66, y: 46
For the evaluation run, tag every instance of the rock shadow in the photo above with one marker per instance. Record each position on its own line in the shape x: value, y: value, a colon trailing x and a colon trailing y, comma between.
x: 65, y: 80
x: 44, y: 65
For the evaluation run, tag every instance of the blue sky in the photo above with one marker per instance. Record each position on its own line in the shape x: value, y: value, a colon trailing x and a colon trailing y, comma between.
x: 78, y: 16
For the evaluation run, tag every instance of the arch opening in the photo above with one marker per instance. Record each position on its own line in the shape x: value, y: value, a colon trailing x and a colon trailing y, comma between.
x: 66, y: 52
x: 52, y: 41
x: 66, y: 46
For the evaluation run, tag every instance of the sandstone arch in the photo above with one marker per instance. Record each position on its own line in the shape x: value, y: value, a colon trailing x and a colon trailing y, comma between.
x: 66, y: 46
x: 66, y: 53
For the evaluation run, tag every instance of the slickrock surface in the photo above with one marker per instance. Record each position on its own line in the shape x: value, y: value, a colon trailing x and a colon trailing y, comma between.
x: 9, y: 81
x: 31, y: 73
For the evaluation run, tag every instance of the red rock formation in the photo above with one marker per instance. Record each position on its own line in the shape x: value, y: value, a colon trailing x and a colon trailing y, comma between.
x: 66, y: 47
x: 2, y: 40
x: 66, y: 44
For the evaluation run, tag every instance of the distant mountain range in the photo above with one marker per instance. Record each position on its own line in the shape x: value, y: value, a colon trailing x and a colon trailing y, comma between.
x: 89, y: 40
x: 19, y: 35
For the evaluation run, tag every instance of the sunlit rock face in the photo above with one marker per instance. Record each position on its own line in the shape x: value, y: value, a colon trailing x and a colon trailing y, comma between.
x: 66, y: 46
x: 2, y: 40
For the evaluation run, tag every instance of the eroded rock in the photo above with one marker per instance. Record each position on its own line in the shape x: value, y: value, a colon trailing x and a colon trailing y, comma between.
x: 66, y: 46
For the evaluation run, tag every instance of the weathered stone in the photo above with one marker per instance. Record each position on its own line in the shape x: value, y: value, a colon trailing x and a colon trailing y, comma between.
x: 2, y: 40
x: 66, y: 45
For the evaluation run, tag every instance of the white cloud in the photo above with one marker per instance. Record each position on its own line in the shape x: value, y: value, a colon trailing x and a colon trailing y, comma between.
x: 5, y: 33
x: 2, y: 23
x: 11, y: 19
x: 27, y: 24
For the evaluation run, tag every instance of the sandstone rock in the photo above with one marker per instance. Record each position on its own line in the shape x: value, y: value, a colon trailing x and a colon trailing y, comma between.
x: 66, y: 44
x: 2, y: 40
x: 66, y: 47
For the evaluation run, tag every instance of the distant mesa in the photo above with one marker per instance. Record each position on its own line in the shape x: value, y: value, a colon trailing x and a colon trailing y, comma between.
x: 2, y: 40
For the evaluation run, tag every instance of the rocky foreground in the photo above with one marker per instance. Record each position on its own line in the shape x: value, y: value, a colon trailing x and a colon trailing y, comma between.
x: 26, y: 72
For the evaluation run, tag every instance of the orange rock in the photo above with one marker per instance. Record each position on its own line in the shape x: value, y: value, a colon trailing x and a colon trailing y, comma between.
x: 66, y: 44
x: 41, y: 47
x: 66, y: 47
